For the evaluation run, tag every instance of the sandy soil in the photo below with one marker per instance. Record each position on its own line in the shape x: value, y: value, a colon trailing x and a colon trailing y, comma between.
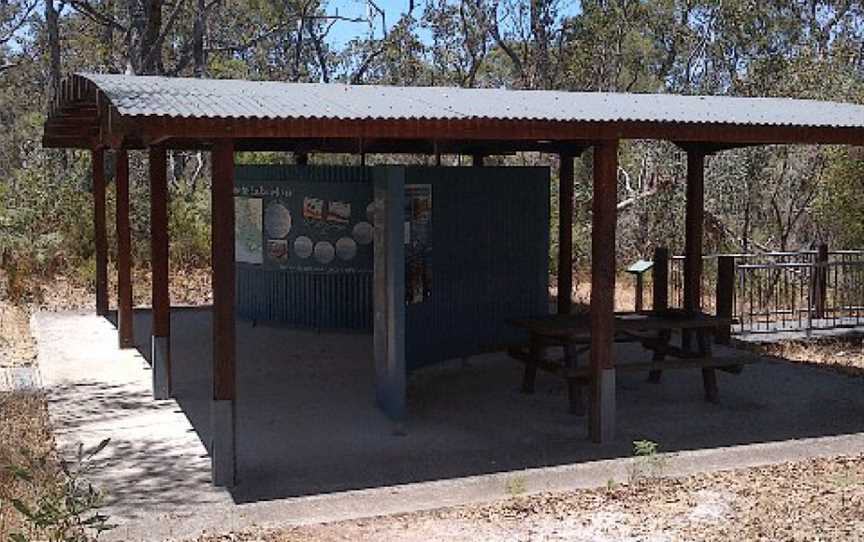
x: 812, y: 500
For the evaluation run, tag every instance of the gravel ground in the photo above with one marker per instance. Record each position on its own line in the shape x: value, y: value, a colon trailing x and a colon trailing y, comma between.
x: 812, y: 500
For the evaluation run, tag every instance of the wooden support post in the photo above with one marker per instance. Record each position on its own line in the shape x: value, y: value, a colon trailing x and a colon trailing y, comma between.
x: 223, y: 446
x: 820, y: 273
x: 100, y: 236
x: 660, y: 279
x: 604, y: 219
x: 640, y: 291
x: 477, y: 160
x: 725, y: 296
x: 565, y: 234
x: 694, y: 224
x: 160, y: 340
x: 124, y: 258
x: 301, y: 158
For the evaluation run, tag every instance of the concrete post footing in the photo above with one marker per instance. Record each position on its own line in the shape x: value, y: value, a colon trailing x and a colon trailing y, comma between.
x: 160, y: 350
x: 602, y: 423
x: 223, y: 444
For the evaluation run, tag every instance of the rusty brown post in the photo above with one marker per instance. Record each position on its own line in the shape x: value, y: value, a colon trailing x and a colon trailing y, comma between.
x: 224, y: 333
x: 604, y: 219
x: 725, y: 296
x: 160, y: 339
x: 100, y: 236
x: 694, y: 223
x: 565, y: 234
x: 124, y: 258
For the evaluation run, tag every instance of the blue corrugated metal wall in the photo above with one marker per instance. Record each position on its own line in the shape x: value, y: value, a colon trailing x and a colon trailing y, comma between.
x: 490, y: 250
x: 490, y: 254
x: 319, y: 300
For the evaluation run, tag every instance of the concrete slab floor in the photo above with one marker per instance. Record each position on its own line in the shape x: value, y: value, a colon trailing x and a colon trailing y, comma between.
x: 312, y: 446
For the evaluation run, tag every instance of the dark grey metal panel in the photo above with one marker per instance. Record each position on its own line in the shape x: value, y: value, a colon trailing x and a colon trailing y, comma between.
x: 490, y: 255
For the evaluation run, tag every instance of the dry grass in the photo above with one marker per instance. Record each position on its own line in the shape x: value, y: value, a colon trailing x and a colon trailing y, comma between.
x: 625, y: 293
x: 16, y: 344
x: 187, y: 287
x: 844, y: 354
x: 24, y: 423
x: 24, y: 426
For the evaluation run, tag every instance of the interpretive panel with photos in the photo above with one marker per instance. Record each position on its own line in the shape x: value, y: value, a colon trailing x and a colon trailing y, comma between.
x: 310, y: 226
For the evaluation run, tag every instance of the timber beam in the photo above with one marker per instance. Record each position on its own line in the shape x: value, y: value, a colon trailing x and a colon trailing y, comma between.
x: 601, y: 423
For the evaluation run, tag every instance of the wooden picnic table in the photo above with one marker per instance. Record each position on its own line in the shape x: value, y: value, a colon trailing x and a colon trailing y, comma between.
x: 653, y: 330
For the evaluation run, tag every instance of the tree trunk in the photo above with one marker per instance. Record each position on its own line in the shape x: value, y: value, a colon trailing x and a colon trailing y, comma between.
x: 54, y: 67
x: 198, y: 30
x: 151, y: 48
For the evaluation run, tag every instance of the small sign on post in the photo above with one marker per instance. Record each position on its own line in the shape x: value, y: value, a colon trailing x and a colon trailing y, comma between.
x: 638, y: 270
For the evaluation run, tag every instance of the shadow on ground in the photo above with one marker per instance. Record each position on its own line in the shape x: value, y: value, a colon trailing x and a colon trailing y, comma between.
x: 307, y: 422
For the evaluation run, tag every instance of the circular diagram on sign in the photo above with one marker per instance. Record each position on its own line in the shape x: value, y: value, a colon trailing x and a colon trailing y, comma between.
x: 346, y: 248
x: 362, y: 233
x: 303, y: 247
x: 324, y: 252
x: 277, y: 220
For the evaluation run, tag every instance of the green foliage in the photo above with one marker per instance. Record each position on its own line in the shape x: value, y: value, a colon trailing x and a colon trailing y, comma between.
x: 644, y: 448
x: 67, y: 512
x: 840, y: 204
x: 648, y: 464
x: 45, y: 221
x: 769, y: 197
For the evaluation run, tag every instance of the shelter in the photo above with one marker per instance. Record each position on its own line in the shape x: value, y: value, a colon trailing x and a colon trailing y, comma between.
x: 99, y: 112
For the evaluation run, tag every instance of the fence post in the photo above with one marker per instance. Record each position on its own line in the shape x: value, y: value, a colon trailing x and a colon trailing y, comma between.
x: 820, y: 273
x: 661, y: 279
x: 725, y: 297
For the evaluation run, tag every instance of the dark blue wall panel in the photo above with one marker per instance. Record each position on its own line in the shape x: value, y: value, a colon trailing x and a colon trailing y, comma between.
x: 307, y: 299
x: 490, y: 236
x: 490, y: 251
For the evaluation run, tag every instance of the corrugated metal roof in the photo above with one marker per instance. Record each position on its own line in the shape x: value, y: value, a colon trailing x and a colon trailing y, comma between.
x: 142, y: 96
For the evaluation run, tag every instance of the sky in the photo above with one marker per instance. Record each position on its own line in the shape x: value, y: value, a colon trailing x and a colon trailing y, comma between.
x: 344, y: 32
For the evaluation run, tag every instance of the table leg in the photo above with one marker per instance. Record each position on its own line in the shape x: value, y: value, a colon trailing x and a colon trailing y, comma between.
x: 574, y: 390
x: 709, y: 374
x: 659, y: 355
x: 535, y: 353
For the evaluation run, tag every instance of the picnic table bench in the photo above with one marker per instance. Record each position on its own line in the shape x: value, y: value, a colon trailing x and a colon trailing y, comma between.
x: 653, y: 330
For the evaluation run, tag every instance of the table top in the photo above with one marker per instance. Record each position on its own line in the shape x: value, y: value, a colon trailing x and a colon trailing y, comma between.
x: 568, y: 326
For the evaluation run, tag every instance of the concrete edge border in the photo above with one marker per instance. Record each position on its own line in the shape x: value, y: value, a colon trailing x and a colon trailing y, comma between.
x: 474, y: 490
